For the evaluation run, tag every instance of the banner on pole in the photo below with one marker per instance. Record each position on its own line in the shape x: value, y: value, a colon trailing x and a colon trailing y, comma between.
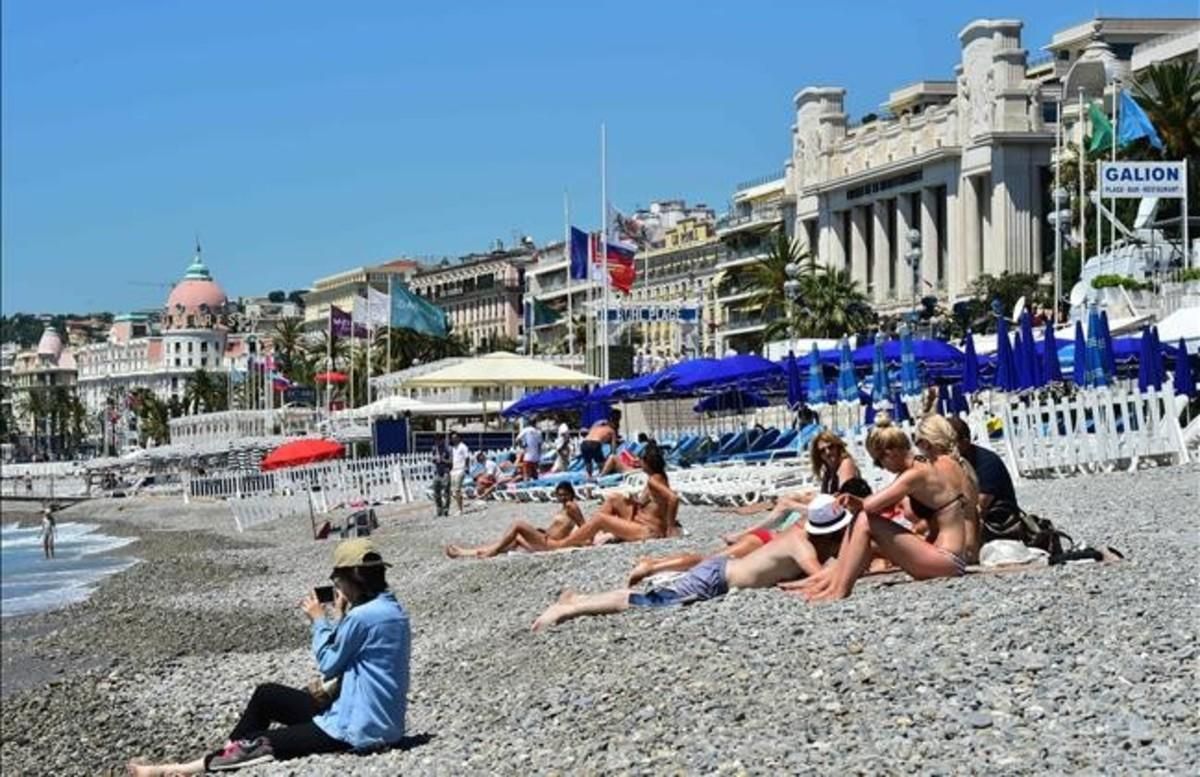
x: 1143, y: 179
x: 626, y: 314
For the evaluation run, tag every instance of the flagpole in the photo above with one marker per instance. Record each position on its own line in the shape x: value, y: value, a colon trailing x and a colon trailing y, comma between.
x: 567, y: 254
x: 604, y: 243
x: 353, y: 337
x: 1082, y: 192
x: 329, y: 365
x: 1112, y: 202
x: 1058, y: 231
x: 389, y: 325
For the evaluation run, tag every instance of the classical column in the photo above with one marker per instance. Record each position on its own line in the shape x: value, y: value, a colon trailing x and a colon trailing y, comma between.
x: 955, y: 272
x: 971, y: 254
x: 832, y: 251
x: 931, y: 242
x: 882, y: 250
x: 903, y: 225
x: 858, y: 245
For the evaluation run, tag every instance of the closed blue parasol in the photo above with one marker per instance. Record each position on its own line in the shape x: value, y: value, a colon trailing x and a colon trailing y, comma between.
x: 1184, y: 382
x: 1006, y: 372
x: 970, y: 381
x: 1145, y: 361
x: 1024, y: 379
x: 879, y: 377
x: 795, y: 391
x: 816, y: 379
x: 1107, y: 351
x: 1078, y: 360
x: 1029, y: 353
x: 910, y: 380
x: 1051, y: 369
x: 1094, y: 354
x: 847, y: 382
x: 1159, y: 373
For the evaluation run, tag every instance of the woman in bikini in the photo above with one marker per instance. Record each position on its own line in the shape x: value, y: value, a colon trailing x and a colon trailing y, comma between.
x: 932, y: 497
x: 833, y: 467
x: 561, y: 525
x: 938, y: 441
x: 649, y: 515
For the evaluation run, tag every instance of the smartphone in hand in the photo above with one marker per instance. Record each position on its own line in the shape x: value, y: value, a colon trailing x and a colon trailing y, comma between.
x: 324, y: 594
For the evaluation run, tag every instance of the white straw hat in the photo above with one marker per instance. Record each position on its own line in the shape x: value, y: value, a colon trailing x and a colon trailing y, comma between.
x: 825, y: 515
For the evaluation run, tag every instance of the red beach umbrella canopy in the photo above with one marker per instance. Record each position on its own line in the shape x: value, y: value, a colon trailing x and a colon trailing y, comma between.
x: 293, y: 454
x: 330, y: 377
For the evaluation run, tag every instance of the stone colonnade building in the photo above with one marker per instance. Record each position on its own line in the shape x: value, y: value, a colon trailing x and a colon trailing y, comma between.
x: 962, y: 162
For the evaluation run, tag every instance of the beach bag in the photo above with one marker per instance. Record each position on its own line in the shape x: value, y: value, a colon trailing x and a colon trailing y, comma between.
x: 1004, y: 521
x: 324, y: 692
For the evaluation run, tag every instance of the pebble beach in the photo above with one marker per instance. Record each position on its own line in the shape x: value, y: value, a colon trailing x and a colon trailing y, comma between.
x: 1088, y: 668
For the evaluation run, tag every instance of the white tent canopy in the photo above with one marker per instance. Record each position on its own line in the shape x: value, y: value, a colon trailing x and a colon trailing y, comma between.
x: 393, y: 405
x: 502, y: 369
x: 1183, y: 323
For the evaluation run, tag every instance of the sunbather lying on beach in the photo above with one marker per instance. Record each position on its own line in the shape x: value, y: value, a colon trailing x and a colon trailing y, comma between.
x: 795, y: 553
x: 649, y: 515
x: 737, y: 545
x: 367, y: 649
x: 933, y: 497
x: 560, y: 526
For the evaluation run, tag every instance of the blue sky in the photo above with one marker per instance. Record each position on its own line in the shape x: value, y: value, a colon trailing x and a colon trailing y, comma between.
x: 299, y: 141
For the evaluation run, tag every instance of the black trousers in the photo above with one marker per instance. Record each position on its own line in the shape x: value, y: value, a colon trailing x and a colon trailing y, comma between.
x: 295, y: 709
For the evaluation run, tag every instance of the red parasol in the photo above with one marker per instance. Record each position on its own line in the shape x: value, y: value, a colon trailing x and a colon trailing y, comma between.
x: 330, y: 377
x: 297, y: 452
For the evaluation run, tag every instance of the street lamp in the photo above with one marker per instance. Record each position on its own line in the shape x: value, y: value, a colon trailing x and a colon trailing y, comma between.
x: 1060, y: 220
x: 792, y: 292
x: 913, y: 259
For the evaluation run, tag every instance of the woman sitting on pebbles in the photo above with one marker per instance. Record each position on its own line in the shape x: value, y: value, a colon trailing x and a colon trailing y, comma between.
x: 647, y: 516
x: 797, y: 552
x: 366, y: 648
x: 933, y: 497
x: 561, y: 525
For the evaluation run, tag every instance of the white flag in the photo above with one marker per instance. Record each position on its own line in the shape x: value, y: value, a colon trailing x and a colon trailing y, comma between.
x: 378, y: 308
x: 359, y: 311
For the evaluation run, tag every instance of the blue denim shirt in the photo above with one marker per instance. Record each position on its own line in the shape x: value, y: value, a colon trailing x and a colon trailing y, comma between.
x: 369, y: 650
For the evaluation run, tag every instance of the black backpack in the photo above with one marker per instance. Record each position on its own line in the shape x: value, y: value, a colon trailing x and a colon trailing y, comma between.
x: 1004, y: 521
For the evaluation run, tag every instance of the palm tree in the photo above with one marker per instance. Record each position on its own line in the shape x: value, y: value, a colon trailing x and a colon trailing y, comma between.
x: 288, y: 342
x: 153, y: 415
x: 768, y: 275
x: 204, y: 394
x: 36, y: 406
x: 1169, y: 92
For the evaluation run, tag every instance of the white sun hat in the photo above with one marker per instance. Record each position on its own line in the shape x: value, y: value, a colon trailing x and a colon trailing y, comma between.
x: 825, y: 515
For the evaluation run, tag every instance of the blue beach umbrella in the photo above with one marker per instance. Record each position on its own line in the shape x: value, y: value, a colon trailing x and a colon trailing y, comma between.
x: 1144, y: 361
x: 910, y: 380
x: 847, y: 382
x: 1051, y: 369
x: 1024, y: 378
x: 795, y: 391
x: 1006, y: 368
x: 879, y: 378
x: 1107, y: 352
x: 901, y: 409
x: 1159, y: 373
x: 1029, y: 354
x: 816, y: 379
x: 1094, y: 352
x: 970, y: 381
x: 1078, y: 357
x: 1184, y: 383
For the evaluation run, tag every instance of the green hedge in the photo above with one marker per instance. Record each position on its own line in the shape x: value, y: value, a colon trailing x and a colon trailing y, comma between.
x: 1113, y: 281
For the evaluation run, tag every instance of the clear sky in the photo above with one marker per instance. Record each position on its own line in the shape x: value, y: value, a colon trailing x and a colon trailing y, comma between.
x: 302, y: 138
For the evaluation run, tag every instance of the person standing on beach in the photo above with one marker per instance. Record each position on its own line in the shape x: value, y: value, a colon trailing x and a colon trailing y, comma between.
x: 592, y: 448
x: 441, y: 477
x: 366, y: 646
x: 460, y: 459
x: 48, y: 530
x: 530, y: 441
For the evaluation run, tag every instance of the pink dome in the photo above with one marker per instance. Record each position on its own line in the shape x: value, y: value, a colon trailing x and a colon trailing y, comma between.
x: 192, y: 295
x: 51, y: 344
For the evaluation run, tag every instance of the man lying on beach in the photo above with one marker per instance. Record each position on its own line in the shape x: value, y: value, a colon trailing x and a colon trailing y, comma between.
x: 799, y: 551
x: 647, y: 516
x: 366, y: 647
x: 560, y: 526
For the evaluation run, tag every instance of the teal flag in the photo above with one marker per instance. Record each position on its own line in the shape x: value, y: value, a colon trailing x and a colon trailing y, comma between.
x: 1101, y: 129
x: 411, y: 311
x: 1135, y: 124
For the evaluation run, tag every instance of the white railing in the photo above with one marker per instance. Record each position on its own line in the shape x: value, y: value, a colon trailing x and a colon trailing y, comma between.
x: 1096, y: 429
x: 260, y: 497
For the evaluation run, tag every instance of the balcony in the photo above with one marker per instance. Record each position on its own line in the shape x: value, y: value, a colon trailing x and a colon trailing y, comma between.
x: 765, y: 216
x: 761, y: 180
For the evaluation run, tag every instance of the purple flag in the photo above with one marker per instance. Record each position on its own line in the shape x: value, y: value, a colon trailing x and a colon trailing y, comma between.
x: 340, y: 323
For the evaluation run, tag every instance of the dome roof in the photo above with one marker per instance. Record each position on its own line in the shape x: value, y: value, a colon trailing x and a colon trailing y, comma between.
x: 197, y: 291
x: 51, y: 344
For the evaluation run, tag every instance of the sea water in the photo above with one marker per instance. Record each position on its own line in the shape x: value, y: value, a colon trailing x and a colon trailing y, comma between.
x: 31, y: 583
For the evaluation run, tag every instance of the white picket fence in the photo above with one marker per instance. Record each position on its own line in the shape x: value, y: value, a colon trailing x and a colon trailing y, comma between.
x: 256, y: 498
x: 1095, y: 430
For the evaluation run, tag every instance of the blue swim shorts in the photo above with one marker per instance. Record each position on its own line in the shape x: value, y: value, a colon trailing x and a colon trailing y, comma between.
x: 705, y: 581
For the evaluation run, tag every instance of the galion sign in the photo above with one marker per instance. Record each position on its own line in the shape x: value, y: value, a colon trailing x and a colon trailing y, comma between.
x: 1143, y: 179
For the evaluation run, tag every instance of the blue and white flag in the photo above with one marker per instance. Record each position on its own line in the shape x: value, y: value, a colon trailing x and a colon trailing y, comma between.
x: 411, y: 311
x: 1134, y: 124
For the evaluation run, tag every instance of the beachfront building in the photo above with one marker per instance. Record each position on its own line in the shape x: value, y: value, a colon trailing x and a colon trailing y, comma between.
x: 760, y: 209
x: 482, y: 294
x: 341, y: 289
x: 192, y: 333
x: 963, y: 165
x: 50, y: 365
x: 674, y: 298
